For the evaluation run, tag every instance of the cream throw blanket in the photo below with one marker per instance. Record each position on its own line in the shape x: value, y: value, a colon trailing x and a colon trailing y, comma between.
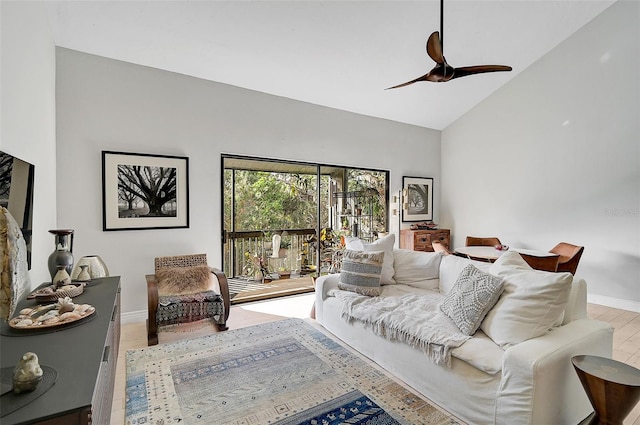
x: 412, y: 319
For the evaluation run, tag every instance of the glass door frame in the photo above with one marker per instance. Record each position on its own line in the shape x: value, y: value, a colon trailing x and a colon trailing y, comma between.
x: 281, y: 165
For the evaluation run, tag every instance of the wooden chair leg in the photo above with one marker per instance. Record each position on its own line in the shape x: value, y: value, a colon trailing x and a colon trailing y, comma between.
x: 224, y: 292
x: 152, y: 309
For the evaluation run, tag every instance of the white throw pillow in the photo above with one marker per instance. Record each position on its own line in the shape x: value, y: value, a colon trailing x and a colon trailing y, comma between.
x: 360, y: 272
x: 532, y: 301
x: 353, y: 243
x: 473, y: 295
x: 417, y: 268
x: 450, y: 268
x: 384, y: 244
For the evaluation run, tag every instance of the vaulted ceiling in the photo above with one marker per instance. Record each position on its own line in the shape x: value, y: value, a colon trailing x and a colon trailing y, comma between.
x: 340, y: 54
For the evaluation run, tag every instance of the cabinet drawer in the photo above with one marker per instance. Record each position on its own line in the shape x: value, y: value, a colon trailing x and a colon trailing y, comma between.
x: 421, y: 241
x: 442, y: 237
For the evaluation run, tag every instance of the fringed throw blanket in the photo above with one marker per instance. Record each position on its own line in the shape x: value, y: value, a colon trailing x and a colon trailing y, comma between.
x: 412, y: 319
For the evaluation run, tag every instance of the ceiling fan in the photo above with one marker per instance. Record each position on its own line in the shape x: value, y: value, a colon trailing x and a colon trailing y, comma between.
x: 443, y: 72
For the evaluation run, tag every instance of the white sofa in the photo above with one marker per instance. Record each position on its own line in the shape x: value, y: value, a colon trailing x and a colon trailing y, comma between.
x: 529, y: 382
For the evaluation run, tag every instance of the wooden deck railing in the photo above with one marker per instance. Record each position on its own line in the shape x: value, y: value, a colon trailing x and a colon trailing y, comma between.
x: 242, y: 251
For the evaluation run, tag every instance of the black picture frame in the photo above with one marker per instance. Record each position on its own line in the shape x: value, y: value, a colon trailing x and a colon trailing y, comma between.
x: 417, y: 198
x: 128, y: 200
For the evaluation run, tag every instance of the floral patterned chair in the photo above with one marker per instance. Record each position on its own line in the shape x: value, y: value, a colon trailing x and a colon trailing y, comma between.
x: 185, y: 289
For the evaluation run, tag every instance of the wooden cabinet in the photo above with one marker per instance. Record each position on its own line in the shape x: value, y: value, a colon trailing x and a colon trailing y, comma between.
x: 84, y: 356
x: 420, y: 240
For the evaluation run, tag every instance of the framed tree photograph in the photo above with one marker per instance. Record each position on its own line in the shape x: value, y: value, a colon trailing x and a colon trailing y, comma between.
x: 417, y: 198
x: 143, y: 191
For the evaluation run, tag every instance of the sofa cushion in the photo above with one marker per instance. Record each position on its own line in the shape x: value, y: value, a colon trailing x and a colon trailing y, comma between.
x: 361, y: 272
x: 481, y: 352
x: 473, y: 295
x: 450, y: 268
x: 184, y: 280
x: 417, y: 268
x: 384, y: 244
x: 533, y: 301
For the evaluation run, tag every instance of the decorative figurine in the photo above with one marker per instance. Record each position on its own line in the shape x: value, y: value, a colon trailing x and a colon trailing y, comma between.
x: 27, y: 374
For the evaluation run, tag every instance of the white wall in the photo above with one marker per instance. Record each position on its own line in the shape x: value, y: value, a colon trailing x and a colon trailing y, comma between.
x: 104, y: 104
x: 554, y: 156
x: 27, y: 129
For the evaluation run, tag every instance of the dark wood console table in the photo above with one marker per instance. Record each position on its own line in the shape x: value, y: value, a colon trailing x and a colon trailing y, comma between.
x: 84, y: 356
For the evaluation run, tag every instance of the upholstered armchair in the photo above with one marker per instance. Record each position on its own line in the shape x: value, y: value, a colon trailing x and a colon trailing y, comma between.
x: 185, y: 289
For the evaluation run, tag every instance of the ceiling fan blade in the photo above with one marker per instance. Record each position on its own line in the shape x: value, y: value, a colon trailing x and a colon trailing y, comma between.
x: 423, y: 78
x: 478, y: 69
x: 434, y: 48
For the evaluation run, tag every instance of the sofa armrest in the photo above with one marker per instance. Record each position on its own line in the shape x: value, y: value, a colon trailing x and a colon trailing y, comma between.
x: 323, y: 285
x: 538, y: 377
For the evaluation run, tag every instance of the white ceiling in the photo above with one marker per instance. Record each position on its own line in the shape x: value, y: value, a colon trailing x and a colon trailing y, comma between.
x: 341, y: 54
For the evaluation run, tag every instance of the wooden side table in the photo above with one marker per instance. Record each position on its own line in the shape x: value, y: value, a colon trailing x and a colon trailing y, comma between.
x: 613, y: 388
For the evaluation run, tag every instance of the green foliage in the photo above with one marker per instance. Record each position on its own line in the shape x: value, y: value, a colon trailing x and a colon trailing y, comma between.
x: 275, y: 201
x: 271, y: 201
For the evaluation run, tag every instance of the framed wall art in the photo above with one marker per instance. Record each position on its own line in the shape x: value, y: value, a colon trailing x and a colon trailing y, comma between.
x: 143, y: 191
x: 417, y: 198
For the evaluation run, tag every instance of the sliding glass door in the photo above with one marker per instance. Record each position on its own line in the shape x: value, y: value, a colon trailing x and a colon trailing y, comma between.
x: 284, y: 217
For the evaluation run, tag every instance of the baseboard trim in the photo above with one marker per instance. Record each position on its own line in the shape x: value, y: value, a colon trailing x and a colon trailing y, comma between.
x: 133, y: 317
x: 614, y: 302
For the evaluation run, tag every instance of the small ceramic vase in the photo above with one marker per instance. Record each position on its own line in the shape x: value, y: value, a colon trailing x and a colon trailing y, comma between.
x: 84, y: 275
x: 97, y: 267
x: 62, y: 277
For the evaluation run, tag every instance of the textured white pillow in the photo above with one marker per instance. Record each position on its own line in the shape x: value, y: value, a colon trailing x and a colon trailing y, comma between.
x: 360, y: 272
x: 473, y: 295
x: 532, y: 301
x: 450, y: 268
x: 384, y: 244
x: 416, y: 268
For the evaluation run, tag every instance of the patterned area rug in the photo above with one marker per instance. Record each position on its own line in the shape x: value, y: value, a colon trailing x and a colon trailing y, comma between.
x: 285, y: 372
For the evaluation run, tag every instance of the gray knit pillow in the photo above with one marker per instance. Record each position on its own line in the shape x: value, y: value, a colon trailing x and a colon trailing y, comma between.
x: 473, y: 295
x: 360, y: 272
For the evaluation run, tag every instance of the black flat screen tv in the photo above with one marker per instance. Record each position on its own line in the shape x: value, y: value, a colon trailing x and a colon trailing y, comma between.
x: 16, y: 194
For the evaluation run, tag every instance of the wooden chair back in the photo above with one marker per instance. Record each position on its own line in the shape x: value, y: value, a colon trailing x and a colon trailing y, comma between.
x: 180, y: 261
x: 546, y: 263
x: 475, y: 241
x: 569, y: 256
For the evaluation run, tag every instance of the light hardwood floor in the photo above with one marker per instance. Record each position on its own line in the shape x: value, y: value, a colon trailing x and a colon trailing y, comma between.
x: 626, y: 337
